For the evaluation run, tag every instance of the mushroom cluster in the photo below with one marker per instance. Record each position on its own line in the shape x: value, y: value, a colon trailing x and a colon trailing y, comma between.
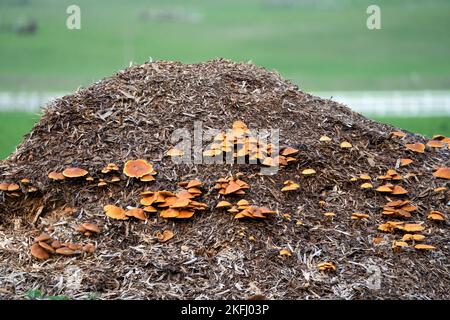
x: 243, y: 209
x: 175, y: 205
x: 44, y: 246
x: 399, y: 209
x: 231, y: 185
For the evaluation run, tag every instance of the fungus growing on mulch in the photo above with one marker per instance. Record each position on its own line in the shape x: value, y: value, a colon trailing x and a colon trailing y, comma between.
x: 137, y: 168
x: 74, y: 173
x: 225, y: 223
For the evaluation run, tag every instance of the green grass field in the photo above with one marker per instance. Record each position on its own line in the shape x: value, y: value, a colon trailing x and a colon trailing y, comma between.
x: 13, y: 125
x: 320, y: 45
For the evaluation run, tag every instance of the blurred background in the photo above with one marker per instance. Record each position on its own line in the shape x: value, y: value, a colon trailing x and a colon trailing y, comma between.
x: 399, y: 74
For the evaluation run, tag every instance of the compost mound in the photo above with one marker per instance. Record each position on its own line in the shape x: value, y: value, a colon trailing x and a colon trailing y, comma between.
x: 323, y: 241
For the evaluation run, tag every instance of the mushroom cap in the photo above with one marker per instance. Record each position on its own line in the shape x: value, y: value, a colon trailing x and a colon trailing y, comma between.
x: 147, y: 178
x: 232, y: 187
x: 13, y: 187
x: 169, y: 213
x: 164, y: 236
x: 288, y: 151
x: 56, y: 176
x: 115, y: 212
x: 308, y: 171
x: 223, y: 204
x: 405, y: 162
x: 243, y: 202
x: 359, y: 215
x: 150, y: 209
x: 399, y: 134
x: 436, y: 216
x: 435, y: 144
x: 46, y: 246
x: 42, y: 237
x: 443, y: 173
x: 416, y: 147
x: 398, y: 190
x: 138, y: 213
x: 346, y: 145
x: 366, y: 186
x: 185, y: 214
x: 65, y: 251
x: 91, y: 227
x: 412, y: 227
x: 384, y: 188
x: 74, y: 172
x: 290, y: 186
x: 193, y: 184
x: 137, y: 168
x: 424, y: 247
x: 38, y: 252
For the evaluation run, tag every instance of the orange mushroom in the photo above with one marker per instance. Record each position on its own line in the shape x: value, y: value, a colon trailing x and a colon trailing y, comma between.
x: 65, y: 251
x: 147, y: 178
x: 290, y: 186
x: 436, y: 216
x: 164, y: 236
x: 435, y: 144
x: 56, y: 176
x: 91, y: 227
x: 137, y: 168
x: 346, y: 145
x: 74, y: 172
x: 366, y: 186
x: 138, y: 213
x: 326, y: 266
x: 307, y: 172
x: 424, y: 247
x: 399, y: 134
x: 443, y: 173
x: 115, y: 212
x: 416, y: 147
x: 13, y: 187
x: 398, y: 190
x: 38, y: 252
x: 405, y: 162
x: 288, y: 151
x: 223, y: 204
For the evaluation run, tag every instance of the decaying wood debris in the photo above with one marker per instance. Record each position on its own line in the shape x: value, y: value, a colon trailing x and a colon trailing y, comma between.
x: 360, y: 212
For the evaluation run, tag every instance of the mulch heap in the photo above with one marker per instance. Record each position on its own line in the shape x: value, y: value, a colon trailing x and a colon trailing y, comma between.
x: 92, y: 203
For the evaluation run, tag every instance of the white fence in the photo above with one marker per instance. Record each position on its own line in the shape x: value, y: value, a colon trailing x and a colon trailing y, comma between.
x: 394, y: 103
x: 379, y: 103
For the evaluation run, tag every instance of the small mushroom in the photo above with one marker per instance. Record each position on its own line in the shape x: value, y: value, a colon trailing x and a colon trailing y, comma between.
x: 74, y: 173
x: 56, y: 176
x: 38, y: 252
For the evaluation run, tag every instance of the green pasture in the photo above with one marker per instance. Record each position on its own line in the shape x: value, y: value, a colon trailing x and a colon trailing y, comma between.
x: 321, y: 45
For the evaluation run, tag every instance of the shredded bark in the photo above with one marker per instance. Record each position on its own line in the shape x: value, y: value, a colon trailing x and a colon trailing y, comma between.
x: 132, y: 114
